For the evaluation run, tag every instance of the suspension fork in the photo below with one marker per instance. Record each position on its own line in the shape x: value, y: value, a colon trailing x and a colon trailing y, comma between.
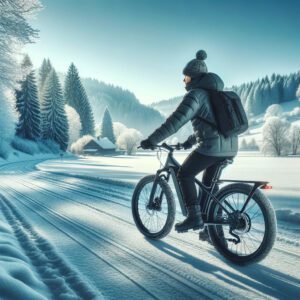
x: 155, y: 183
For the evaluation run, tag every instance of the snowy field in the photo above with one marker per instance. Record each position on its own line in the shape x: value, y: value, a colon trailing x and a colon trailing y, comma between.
x: 87, y: 224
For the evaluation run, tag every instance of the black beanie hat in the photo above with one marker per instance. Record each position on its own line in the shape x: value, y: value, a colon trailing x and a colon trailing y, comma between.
x: 196, y: 66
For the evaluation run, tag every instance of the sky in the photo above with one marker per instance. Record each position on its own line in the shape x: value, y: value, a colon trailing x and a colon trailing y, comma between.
x: 143, y: 45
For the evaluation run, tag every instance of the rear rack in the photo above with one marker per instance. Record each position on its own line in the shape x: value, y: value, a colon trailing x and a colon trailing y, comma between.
x: 258, y: 183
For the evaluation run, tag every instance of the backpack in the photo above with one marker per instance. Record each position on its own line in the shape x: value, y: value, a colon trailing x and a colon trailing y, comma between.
x: 229, y: 112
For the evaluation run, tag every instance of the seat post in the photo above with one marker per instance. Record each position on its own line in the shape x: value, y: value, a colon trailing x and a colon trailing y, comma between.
x: 222, y: 165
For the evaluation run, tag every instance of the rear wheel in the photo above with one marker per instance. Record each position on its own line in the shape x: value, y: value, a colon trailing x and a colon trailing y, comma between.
x: 254, y: 228
x: 154, y: 220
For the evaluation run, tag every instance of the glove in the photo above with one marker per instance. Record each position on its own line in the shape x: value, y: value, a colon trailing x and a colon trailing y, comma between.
x: 186, y: 145
x: 146, y: 144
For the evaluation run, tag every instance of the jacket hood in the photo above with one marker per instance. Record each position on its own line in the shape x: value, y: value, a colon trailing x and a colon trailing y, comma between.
x: 209, y: 81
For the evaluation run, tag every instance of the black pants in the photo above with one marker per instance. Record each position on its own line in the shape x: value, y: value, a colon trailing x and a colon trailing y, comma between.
x: 193, y: 165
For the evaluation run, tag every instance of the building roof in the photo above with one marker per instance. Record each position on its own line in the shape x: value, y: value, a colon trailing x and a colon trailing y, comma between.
x: 101, y: 143
x: 105, y: 143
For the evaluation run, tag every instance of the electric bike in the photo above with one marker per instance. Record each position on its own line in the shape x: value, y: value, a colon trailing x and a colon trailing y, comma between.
x: 240, y: 219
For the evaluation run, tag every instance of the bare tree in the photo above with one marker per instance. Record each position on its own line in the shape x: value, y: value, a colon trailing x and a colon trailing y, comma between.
x: 15, y: 31
x: 275, y: 136
x: 295, y: 138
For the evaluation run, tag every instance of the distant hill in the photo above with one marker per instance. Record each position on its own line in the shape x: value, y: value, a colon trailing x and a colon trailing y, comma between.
x: 256, y: 96
x: 123, y: 106
x: 166, y: 107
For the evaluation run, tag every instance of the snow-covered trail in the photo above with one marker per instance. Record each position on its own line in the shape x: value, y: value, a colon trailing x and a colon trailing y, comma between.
x: 90, y: 225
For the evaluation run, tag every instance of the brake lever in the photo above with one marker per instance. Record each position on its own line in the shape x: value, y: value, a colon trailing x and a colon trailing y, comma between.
x: 178, y: 146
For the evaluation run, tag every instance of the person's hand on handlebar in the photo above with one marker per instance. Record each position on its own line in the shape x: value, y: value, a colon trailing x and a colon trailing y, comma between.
x: 146, y: 144
x: 186, y: 145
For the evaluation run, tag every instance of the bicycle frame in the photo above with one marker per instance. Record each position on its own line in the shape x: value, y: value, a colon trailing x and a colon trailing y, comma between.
x: 171, y: 168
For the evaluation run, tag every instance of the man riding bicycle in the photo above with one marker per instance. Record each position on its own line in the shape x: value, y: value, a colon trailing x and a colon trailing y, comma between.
x: 212, y: 147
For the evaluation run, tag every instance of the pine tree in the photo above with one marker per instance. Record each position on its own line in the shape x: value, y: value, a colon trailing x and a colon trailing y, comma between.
x: 76, y: 97
x: 54, y: 120
x: 274, y: 93
x: 28, y: 107
x: 107, y: 127
x: 26, y: 66
x: 298, y: 92
x: 249, y: 104
x: 45, y: 70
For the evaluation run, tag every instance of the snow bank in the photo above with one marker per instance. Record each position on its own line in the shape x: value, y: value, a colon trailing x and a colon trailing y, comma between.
x: 61, y: 280
x: 26, y: 146
x: 18, y: 279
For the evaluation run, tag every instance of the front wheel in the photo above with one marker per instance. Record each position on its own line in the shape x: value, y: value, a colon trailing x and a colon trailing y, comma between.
x: 255, y: 228
x: 154, y: 220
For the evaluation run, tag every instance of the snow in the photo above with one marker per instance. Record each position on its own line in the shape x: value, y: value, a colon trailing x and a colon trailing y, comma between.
x: 18, y: 279
x: 89, y: 225
x: 58, y: 276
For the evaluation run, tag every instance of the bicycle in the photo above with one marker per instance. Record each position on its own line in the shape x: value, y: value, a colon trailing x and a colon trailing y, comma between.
x: 240, y: 218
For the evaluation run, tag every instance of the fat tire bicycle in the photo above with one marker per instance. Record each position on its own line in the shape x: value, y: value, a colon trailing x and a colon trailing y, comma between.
x: 240, y: 219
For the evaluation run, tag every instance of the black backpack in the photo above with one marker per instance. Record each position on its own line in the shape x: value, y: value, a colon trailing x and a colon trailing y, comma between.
x: 229, y: 112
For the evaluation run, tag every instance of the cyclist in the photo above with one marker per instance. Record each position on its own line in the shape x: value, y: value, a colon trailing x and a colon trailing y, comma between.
x: 212, y: 147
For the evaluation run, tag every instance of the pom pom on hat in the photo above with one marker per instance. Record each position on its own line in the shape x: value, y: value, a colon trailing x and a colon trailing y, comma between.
x: 201, y: 55
x: 196, y: 66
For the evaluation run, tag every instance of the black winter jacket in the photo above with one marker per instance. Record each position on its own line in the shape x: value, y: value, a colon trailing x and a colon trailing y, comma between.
x: 195, y: 107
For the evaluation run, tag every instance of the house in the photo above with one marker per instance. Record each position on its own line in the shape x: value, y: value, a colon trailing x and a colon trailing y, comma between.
x: 102, y: 146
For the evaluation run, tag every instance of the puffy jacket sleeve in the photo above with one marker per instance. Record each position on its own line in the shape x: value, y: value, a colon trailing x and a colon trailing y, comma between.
x: 185, y: 111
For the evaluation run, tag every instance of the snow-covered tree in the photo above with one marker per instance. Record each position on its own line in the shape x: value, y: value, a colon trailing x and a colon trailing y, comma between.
x: 77, y: 147
x: 26, y: 66
x: 44, y: 71
x: 295, y: 112
x: 275, y: 136
x: 290, y: 88
x: 54, y: 119
x: 28, y: 107
x: 75, y: 96
x: 243, y: 145
x: 15, y: 31
x: 274, y: 110
x: 274, y: 93
x: 298, y: 92
x: 107, y: 127
x: 295, y: 139
x: 252, y: 145
x: 119, y: 128
x: 7, y: 120
x: 129, y: 140
x: 74, y: 124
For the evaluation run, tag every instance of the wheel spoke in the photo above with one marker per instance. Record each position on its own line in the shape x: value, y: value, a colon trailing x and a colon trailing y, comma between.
x: 250, y: 227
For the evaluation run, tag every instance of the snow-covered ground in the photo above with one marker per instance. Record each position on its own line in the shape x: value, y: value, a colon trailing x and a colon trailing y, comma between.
x: 89, y: 225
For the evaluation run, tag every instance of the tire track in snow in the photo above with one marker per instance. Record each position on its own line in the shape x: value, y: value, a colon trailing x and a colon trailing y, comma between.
x: 184, y: 244
x: 30, y: 200
x: 112, y: 193
x: 58, y: 276
x: 206, y: 292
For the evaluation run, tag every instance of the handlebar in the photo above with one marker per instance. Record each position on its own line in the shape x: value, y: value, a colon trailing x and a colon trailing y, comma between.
x: 170, y: 148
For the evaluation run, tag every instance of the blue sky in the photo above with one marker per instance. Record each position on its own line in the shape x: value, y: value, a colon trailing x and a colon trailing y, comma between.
x: 143, y: 45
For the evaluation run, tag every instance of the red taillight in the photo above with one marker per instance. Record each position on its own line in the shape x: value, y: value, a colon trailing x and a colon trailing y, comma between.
x: 266, y: 187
